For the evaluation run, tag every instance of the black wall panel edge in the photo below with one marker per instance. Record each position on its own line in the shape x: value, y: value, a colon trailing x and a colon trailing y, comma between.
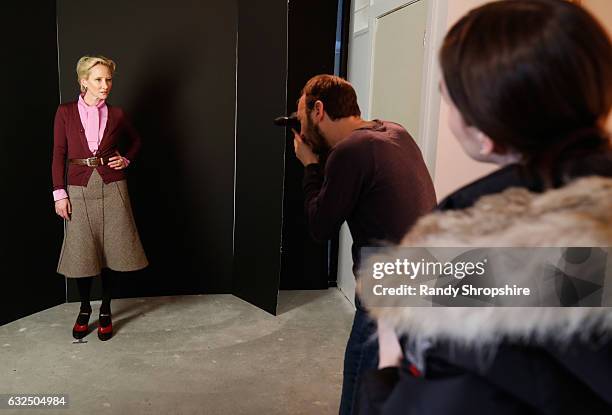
x: 305, y: 262
x: 260, y: 148
x: 28, y: 253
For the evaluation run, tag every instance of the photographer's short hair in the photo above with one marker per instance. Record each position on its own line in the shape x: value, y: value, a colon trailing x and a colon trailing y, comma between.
x: 534, y: 75
x: 336, y: 94
x: 85, y: 64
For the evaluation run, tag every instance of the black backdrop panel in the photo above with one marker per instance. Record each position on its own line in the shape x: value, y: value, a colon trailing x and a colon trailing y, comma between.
x: 176, y: 79
x: 28, y: 253
x: 262, y: 77
x: 304, y: 261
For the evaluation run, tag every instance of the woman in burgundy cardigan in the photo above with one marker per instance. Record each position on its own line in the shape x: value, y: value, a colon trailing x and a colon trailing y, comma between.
x: 96, y: 143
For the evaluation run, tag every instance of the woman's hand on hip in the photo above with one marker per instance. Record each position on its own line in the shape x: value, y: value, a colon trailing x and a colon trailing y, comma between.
x: 117, y: 162
x: 63, y: 208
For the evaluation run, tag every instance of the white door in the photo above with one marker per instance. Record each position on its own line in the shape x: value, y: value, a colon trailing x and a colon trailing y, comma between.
x: 397, y: 66
x: 393, y: 67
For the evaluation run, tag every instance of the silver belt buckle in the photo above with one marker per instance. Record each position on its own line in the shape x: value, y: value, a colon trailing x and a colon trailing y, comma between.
x: 92, y: 162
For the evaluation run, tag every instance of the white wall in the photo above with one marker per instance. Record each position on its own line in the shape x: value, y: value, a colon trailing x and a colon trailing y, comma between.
x: 359, y: 75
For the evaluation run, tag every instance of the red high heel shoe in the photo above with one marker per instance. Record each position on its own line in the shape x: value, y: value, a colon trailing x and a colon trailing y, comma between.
x: 105, y: 332
x: 81, y: 326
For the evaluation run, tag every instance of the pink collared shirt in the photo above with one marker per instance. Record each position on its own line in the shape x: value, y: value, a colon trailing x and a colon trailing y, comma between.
x: 94, y: 131
x: 93, y: 118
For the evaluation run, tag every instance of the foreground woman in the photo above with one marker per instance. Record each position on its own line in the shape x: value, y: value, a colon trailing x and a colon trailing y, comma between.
x: 529, y: 86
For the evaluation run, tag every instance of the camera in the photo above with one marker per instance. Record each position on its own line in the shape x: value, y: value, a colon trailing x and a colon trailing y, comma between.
x: 290, y: 122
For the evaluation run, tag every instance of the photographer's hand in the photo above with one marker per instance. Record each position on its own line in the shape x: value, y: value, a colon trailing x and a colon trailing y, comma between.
x: 390, y: 351
x: 303, y: 151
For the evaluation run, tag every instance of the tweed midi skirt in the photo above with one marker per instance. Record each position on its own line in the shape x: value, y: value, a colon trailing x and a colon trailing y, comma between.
x: 101, y: 232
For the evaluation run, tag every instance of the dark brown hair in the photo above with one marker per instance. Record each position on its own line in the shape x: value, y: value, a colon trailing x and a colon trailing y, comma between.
x: 534, y: 75
x: 336, y: 94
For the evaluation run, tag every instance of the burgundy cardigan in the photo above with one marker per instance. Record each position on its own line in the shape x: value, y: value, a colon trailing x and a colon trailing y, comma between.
x: 69, y: 142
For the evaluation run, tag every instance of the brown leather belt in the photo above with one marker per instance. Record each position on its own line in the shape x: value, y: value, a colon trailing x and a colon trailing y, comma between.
x: 90, y: 162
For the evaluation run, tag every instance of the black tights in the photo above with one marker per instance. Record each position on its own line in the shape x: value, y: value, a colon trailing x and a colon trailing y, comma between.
x: 84, y: 286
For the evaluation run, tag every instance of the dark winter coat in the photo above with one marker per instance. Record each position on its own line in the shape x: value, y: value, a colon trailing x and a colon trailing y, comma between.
x: 504, y: 360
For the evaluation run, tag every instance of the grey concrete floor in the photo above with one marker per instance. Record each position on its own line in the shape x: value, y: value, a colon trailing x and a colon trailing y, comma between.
x: 208, y: 354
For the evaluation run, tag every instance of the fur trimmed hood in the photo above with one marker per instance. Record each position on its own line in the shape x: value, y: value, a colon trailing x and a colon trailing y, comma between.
x: 579, y: 214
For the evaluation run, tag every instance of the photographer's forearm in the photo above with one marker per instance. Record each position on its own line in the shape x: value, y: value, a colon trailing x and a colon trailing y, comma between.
x: 329, y: 198
x: 313, y: 180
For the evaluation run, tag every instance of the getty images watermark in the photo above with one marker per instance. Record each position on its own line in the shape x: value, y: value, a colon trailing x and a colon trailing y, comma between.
x: 486, y: 277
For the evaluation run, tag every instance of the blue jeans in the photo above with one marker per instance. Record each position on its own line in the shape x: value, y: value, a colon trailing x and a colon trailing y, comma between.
x: 361, y: 355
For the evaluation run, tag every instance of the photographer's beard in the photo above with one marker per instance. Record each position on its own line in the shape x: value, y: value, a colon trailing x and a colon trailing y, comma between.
x: 315, y: 139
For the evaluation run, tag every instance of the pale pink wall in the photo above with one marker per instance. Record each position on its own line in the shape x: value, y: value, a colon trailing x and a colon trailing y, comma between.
x: 453, y: 167
x: 602, y: 9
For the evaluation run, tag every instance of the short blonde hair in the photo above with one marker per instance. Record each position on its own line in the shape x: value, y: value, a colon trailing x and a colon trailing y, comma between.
x: 85, y: 64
